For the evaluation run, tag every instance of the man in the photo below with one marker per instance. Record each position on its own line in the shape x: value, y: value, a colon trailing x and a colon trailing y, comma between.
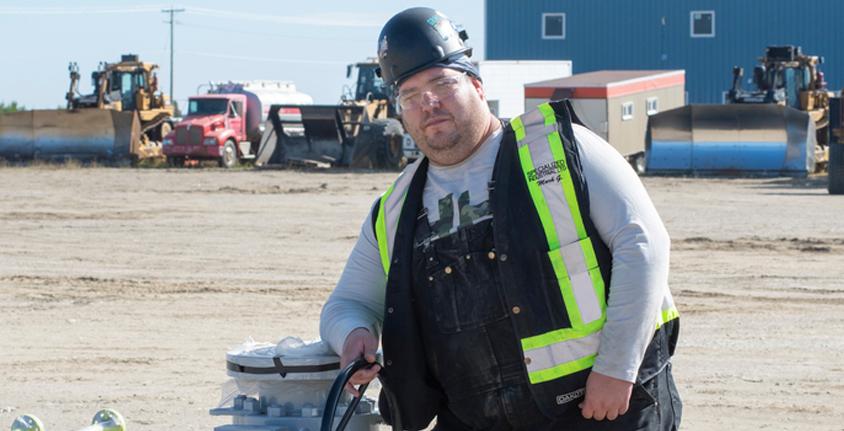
x: 517, y: 274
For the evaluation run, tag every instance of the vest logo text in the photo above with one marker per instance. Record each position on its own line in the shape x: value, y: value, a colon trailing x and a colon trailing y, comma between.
x: 549, y: 172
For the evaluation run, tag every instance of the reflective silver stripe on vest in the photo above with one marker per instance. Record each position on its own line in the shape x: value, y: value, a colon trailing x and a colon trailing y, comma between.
x: 561, y: 352
x: 558, y: 353
x: 564, y: 355
x: 551, y: 174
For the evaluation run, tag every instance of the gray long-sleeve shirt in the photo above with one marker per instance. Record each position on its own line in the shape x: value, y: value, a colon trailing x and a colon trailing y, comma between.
x: 620, y: 208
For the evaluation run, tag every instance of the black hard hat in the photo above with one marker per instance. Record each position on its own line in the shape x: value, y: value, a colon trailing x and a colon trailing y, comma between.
x: 416, y: 39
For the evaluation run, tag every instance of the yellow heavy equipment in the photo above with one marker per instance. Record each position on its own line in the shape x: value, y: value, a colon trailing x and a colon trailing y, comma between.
x: 362, y: 131
x: 779, y: 127
x: 125, y: 117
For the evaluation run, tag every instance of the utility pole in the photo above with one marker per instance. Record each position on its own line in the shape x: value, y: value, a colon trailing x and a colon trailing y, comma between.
x: 172, y: 23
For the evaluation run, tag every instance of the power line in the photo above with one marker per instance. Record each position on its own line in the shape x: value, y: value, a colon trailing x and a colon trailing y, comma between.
x: 263, y: 59
x: 74, y: 11
x: 345, y: 20
x: 365, y: 21
x: 172, y: 23
x: 269, y: 34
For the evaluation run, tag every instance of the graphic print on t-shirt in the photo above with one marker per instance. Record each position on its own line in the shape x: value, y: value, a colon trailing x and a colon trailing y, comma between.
x: 467, y: 214
x: 457, y: 196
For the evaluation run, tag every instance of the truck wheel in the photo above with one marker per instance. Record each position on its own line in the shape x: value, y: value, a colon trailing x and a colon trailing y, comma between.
x: 836, y: 168
x: 175, y: 161
x: 229, y: 158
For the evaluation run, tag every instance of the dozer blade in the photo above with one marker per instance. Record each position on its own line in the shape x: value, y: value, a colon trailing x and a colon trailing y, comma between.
x: 737, y: 139
x: 82, y: 134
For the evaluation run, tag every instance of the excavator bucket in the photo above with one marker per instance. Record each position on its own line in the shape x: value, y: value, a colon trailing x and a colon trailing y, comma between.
x: 735, y: 139
x: 322, y: 134
x: 81, y: 134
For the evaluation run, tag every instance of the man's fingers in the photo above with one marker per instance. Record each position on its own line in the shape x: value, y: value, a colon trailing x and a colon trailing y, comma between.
x: 606, y: 397
x: 586, y: 410
x: 351, y: 390
x: 361, y: 377
x: 359, y: 343
x: 365, y: 375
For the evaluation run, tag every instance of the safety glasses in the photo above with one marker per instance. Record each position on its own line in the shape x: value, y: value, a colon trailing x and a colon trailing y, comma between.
x: 438, y: 90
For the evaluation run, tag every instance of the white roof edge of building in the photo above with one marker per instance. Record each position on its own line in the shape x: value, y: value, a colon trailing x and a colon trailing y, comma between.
x: 647, y: 78
x: 523, y: 61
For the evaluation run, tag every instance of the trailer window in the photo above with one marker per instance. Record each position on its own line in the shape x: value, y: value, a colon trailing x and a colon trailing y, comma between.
x: 702, y: 23
x: 207, y: 106
x: 553, y: 26
x: 627, y: 111
x: 652, y: 105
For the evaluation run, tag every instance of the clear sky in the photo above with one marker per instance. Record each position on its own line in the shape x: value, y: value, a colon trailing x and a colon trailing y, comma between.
x: 307, y: 42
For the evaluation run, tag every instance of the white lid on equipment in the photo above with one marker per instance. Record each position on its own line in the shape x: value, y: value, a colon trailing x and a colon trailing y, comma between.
x: 290, y: 359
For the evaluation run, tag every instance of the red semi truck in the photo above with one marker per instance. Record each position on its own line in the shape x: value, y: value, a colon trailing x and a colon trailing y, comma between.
x: 227, y: 123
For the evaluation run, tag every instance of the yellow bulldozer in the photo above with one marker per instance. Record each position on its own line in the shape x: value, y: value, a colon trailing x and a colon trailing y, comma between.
x: 781, y: 126
x: 125, y: 118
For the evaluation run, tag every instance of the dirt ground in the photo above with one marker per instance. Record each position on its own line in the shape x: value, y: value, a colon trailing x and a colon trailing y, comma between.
x: 124, y: 288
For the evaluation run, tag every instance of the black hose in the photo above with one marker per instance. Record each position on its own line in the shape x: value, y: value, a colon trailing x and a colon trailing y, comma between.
x: 337, y: 391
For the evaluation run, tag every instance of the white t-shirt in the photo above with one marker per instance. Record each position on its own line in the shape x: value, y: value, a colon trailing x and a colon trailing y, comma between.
x: 620, y: 208
x: 458, y: 195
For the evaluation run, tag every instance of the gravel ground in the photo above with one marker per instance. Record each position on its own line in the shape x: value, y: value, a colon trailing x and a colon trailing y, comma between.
x: 124, y: 288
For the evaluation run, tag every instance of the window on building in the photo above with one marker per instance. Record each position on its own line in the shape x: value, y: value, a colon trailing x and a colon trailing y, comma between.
x: 627, y: 111
x: 652, y: 105
x: 553, y: 26
x: 702, y: 23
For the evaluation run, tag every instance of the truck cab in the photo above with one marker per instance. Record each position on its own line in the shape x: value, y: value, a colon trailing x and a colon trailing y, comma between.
x: 214, y: 128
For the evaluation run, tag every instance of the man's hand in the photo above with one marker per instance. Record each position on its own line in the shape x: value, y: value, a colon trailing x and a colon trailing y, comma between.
x: 359, y: 343
x: 606, y: 397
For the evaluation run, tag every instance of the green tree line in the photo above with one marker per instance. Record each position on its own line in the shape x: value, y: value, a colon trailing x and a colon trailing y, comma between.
x: 11, y: 107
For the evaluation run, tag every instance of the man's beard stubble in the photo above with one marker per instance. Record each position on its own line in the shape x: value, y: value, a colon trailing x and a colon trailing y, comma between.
x: 444, y: 140
x: 452, y: 143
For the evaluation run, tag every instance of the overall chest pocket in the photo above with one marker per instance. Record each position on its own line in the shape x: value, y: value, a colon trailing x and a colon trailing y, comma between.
x: 463, y: 292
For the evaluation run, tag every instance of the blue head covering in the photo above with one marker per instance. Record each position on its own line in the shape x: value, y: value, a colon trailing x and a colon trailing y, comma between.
x: 461, y: 63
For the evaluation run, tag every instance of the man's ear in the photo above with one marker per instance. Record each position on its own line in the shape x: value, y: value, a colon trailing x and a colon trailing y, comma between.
x: 479, y: 87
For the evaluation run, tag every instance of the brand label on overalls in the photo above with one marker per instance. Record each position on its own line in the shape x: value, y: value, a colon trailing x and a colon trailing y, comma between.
x: 569, y: 397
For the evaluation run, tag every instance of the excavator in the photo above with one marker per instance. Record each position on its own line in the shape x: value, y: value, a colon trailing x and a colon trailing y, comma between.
x: 780, y: 127
x: 125, y: 118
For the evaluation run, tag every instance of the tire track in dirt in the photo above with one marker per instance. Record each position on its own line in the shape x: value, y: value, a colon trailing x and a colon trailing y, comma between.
x: 45, y: 289
x: 805, y: 245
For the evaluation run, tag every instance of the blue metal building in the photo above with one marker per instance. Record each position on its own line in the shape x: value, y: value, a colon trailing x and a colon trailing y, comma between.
x: 704, y: 37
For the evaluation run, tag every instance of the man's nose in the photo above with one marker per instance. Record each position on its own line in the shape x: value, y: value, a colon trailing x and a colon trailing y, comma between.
x: 429, y: 100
